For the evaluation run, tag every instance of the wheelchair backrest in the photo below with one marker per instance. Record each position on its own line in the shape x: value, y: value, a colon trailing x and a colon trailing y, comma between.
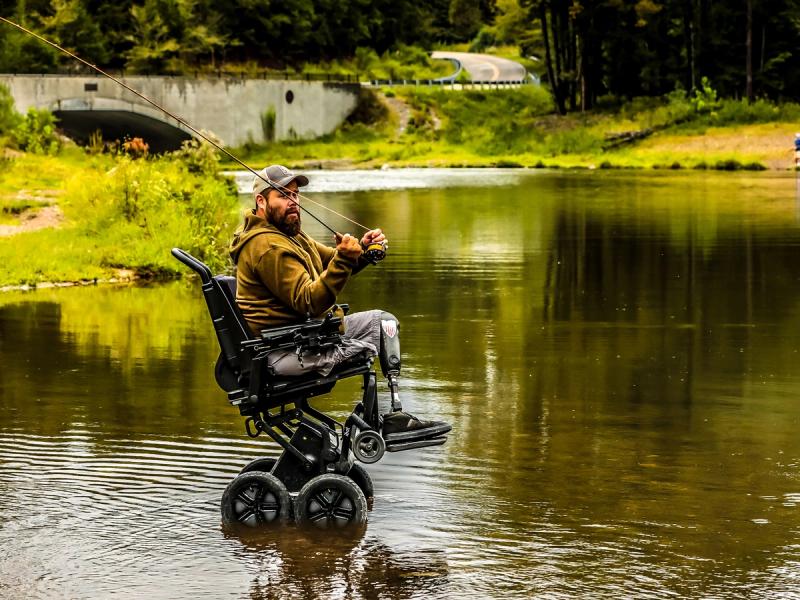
x: 229, y: 324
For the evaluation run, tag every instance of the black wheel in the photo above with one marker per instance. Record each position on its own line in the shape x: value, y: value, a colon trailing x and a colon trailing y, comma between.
x: 330, y: 501
x: 255, y: 499
x: 360, y: 475
x: 259, y: 464
x: 368, y: 447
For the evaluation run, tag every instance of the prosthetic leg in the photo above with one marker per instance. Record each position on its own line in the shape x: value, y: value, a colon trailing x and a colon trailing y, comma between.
x: 390, y: 356
x: 399, y: 426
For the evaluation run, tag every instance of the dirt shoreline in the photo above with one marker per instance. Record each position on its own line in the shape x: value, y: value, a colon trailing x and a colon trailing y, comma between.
x: 124, y: 277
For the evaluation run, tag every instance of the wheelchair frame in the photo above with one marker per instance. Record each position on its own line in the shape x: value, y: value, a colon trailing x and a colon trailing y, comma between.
x: 319, y: 453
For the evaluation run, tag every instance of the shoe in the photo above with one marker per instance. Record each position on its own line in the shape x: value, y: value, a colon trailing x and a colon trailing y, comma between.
x: 402, y: 426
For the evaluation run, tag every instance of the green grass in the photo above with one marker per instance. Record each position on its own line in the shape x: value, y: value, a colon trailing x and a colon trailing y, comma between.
x: 517, y: 127
x: 118, y: 214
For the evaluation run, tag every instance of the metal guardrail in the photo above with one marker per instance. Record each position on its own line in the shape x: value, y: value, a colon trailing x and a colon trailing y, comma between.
x: 452, y: 84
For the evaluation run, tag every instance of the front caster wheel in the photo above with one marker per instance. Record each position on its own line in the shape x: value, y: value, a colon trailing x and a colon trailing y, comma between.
x: 368, y: 447
x: 330, y: 501
x: 256, y: 499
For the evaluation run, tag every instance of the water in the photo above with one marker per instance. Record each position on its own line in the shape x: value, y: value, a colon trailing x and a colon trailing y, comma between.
x: 617, y: 352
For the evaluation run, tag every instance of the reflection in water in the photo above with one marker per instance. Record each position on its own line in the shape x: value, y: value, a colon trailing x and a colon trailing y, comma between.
x: 307, y: 564
x: 617, y: 354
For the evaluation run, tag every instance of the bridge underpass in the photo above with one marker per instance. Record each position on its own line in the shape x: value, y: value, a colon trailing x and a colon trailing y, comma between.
x: 233, y: 109
x: 120, y: 125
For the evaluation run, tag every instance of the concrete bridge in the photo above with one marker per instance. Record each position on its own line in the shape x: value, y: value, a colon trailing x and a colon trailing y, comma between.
x: 230, y: 108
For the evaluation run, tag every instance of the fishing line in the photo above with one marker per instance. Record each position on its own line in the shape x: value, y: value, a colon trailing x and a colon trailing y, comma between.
x: 281, y: 189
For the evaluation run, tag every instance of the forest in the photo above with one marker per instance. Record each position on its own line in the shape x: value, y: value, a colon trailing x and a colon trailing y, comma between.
x: 590, y: 53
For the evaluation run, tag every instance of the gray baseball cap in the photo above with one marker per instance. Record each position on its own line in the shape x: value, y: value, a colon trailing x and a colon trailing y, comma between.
x: 277, y: 174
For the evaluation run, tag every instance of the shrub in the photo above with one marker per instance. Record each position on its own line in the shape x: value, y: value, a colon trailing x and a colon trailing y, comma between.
x: 37, y: 132
x: 199, y: 157
x: 136, y: 148
x: 483, y: 40
x: 705, y: 97
x: 728, y: 165
x: 365, y: 61
x: 369, y: 109
x: 9, y: 118
x: 140, y: 209
x: 508, y: 164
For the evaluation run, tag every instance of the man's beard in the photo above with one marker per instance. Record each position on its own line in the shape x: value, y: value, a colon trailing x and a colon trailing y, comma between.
x: 284, y: 226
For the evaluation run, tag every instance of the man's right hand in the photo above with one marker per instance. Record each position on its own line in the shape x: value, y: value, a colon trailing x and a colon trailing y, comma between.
x: 348, y: 246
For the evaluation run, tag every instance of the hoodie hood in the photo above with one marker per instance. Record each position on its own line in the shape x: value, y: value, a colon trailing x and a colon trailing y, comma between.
x: 253, y: 225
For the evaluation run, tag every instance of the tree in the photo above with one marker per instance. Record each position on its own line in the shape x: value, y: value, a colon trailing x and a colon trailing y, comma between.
x: 465, y: 17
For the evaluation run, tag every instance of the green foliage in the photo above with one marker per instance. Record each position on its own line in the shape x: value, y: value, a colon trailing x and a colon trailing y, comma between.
x: 494, y: 121
x: 96, y: 144
x: 483, y: 40
x: 573, y: 141
x: 369, y: 110
x: 37, y: 132
x: 140, y: 209
x: 9, y: 117
x: 705, y: 98
x: 118, y: 213
x: 199, y: 157
x: 69, y: 24
x: 465, y: 17
x: 365, y: 61
x: 268, y: 124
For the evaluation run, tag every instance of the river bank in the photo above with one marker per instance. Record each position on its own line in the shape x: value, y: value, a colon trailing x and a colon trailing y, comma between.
x: 78, y: 217
x: 421, y: 127
x: 119, y: 218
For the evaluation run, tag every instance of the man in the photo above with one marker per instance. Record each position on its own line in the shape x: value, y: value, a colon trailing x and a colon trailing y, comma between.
x: 284, y: 276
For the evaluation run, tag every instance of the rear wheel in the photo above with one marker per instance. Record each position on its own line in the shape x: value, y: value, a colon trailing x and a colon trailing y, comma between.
x: 259, y: 464
x: 256, y: 499
x: 331, y: 501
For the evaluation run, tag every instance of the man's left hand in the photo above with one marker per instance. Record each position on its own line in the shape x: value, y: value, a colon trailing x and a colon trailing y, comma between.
x: 374, y: 236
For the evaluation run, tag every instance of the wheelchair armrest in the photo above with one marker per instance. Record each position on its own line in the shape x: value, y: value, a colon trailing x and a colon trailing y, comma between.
x: 345, y: 308
x: 313, y: 334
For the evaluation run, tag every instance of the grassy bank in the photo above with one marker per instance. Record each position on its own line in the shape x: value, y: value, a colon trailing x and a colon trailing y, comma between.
x: 434, y: 127
x: 118, y: 217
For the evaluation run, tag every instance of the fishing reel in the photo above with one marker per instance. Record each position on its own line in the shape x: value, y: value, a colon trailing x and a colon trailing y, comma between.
x: 375, y: 252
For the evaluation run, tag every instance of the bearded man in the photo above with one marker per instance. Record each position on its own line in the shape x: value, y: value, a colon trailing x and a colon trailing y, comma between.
x: 284, y: 276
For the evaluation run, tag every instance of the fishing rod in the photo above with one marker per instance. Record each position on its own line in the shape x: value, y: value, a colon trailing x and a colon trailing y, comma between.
x: 374, y: 252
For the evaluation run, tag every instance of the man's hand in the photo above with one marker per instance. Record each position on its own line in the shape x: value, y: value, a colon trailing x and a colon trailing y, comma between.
x: 348, y: 246
x: 374, y: 236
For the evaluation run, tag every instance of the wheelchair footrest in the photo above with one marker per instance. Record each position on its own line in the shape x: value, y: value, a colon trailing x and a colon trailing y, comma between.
x: 400, y: 446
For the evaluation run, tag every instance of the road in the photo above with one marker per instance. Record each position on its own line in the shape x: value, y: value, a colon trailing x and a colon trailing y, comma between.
x: 483, y: 67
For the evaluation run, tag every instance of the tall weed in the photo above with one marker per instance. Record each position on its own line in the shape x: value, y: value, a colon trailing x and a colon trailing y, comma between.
x: 9, y: 117
x: 37, y: 133
x: 141, y: 209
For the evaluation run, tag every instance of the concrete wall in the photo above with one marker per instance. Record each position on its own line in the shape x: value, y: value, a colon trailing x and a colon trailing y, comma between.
x: 230, y: 108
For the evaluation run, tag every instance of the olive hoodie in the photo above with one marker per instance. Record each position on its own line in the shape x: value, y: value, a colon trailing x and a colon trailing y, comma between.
x: 282, y: 279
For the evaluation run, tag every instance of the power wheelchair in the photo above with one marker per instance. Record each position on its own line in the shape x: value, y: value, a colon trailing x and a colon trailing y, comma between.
x: 316, y: 479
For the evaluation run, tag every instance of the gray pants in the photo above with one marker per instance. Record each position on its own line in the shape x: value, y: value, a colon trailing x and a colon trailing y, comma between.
x: 362, y: 335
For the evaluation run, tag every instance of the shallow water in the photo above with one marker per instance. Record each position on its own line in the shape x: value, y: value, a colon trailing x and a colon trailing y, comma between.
x: 617, y: 352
